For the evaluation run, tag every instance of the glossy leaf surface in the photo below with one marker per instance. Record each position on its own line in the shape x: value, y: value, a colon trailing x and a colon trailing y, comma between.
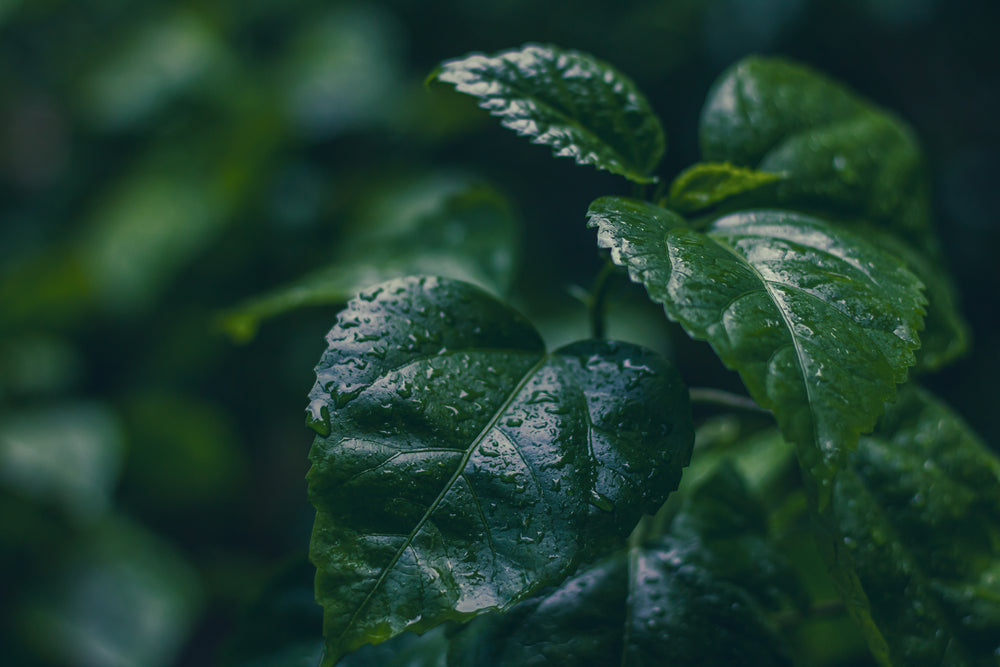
x: 838, y: 150
x: 842, y: 155
x: 915, y: 535
x: 708, y: 183
x: 438, y: 225
x: 459, y: 467
x: 946, y: 334
x: 820, y: 325
x: 580, y: 106
x: 678, y: 601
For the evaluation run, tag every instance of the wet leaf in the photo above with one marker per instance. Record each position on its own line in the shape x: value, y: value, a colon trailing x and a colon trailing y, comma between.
x: 678, y: 601
x: 459, y: 467
x: 843, y: 156
x: 437, y: 225
x: 946, y: 334
x: 708, y: 183
x: 913, y: 537
x: 838, y: 150
x: 580, y: 106
x: 820, y: 324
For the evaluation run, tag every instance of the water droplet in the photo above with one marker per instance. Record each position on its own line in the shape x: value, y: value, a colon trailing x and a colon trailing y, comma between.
x: 318, y: 417
x: 600, y: 501
x: 542, y: 396
x: 514, y: 421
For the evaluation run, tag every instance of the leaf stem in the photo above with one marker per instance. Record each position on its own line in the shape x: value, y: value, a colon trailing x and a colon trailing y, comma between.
x: 598, y: 299
x: 724, y: 398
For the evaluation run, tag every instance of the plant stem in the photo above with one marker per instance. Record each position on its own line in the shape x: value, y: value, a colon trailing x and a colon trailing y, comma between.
x: 724, y: 398
x: 598, y: 299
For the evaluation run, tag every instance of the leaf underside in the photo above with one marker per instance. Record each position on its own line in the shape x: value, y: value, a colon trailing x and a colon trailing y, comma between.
x: 913, y: 537
x: 487, y: 467
x: 820, y: 325
x: 580, y: 106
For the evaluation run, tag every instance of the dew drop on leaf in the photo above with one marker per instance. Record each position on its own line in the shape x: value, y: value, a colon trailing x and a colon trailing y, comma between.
x: 318, y: 417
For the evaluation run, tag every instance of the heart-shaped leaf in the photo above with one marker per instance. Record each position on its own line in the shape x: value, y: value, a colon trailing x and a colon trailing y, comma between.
x: 820, y: 324
x: 913, y: 536
x: 678, y: 601
x: 459, y: 467
x: 436, y: 224
x: 583, y: 108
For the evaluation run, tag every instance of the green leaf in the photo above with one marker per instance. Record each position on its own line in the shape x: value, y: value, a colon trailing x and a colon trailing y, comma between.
x: 708, y: 183
x: 820, y: 325
x: 841, y: 155
x: 838, y: 151
x: 946, y: 334
x: 664, y: 604
x: 65, y: 454
x: 438, y: 225
x: 459, y: 467
x: 580, y: 106
x: 913, y: 536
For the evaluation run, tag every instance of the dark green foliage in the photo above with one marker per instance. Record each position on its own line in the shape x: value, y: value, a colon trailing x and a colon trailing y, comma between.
x: 485, y: 491
x: 582, y: 107
x: 690, y: 597
x: 490, y: 469
x: 820, y: 324
x: 487, y: 467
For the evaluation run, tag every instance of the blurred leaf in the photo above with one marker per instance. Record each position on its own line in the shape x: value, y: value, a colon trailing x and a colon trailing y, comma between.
x: 123, y: 598
x: 151, y: 66
x: 41, y: 364
x: 913, y: 537
x: 146, y: 231
x: 682, y: 600
x: 820, y: 324
x: 488, y: 467
x: 343, y: 70
x: 435, y: 225
x: 67, y: 454
x: 708, y: 183
x: 581, y: 106
x: 176, y: 437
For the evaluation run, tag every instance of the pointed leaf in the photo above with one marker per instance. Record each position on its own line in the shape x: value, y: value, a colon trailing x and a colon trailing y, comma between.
x: 580, y: 106
x: 437, y: 225
x: 842, y: 155
x: 820, y: 325
x: 664, y: 604
x: 459, y: 467
x: 913, y: 536
x: 839, y: 152
x: 708, y: 183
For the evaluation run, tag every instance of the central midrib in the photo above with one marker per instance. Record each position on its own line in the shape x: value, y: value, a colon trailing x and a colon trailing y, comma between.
x: 447, y: 487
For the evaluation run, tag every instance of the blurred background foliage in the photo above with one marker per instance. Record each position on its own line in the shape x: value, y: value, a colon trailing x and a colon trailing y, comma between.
x: 163, y: 162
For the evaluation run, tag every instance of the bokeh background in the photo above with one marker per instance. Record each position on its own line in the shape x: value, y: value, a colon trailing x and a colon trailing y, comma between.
x: 161, y: 162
